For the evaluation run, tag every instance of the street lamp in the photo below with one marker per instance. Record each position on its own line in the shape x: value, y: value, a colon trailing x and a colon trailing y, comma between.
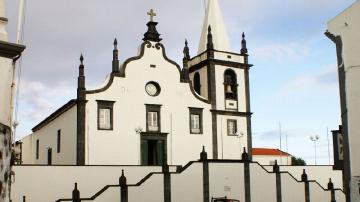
x: 315, y: 139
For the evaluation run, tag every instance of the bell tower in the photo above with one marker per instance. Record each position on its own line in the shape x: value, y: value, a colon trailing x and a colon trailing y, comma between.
x: 222, y: 77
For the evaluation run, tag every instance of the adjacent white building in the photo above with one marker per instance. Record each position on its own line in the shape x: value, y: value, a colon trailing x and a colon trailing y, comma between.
x: 344, y: 31
x: 271, y: 156
x: 150, y: 111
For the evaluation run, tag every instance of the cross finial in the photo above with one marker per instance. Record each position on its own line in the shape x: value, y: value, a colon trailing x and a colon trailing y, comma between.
x: 152, y: 14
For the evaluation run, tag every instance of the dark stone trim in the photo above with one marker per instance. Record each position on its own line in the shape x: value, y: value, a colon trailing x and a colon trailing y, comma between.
x: 218, y: 62
x: 307, y: 191
x: 158, y: 88
x: 196, y: 111
x: 122, y: 70
x: 123, y: 188
x: 278, y: 186
x: 167, y: 184
x: 230, y: 113
x: 105, y: 104
x: 142, y: 51
x: 212, y: 97
x: 124, y: 65
x: 195, y: 94
x: 170, y: 61
x: 4, y: 19
x: 344, y: 113
x: 54, y: 115
x: 152, y: 34
x: 247, y: 181
x: 206, y: 190
x: 154, y: 135
x: 10, y: 50
x: 248, y: 111
x: 153, y: 108
x: 4, y: 129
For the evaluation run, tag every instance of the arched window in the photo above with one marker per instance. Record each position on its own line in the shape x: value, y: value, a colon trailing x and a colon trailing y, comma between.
x: 230, y: 84
x: 197, y: 85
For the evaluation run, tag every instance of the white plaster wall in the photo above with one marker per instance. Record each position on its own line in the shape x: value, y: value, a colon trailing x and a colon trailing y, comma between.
x: 339, y: 195
x: 346, y: 25
x: 47, y: 136
x: 319, y: 173
x: 263, y: 184
x: 267, y: 159
x: 227, y: 180
x: 5, y: 90
x: 225, y: 57
x: 188, y: 185
x: 111, y: 194
x: 151, y: 190
x: 122, y: 144
x: 198, y: 59
x: 291, y: 190
x: 27, y: 150
x: 231, y: 147
x: 318, y: 194
x: 220, y: 95
x: 58, y: 181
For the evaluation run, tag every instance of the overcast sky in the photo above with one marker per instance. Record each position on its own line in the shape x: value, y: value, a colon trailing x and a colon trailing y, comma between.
x: 293, y: 81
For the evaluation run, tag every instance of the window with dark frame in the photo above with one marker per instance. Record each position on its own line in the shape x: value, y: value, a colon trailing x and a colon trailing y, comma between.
x: 196, y: 125
x: 105, y: 114
x: 231, y: 127
x: 37, y: 148
x: 58, y: 148
x: 153, y: 118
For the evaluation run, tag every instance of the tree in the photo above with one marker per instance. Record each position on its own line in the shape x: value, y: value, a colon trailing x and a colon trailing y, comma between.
x: 297, y: 161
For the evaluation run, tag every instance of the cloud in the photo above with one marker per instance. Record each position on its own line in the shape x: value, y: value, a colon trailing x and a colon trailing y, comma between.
x: 38, y: 100
x: 281, y: 52
x: 322, y: 81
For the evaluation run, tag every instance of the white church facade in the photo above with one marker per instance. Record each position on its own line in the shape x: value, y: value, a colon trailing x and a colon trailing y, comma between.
x: 150, y: 111
x: 155, y: 131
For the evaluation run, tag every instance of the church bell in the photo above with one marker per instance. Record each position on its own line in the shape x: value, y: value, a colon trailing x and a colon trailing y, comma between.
x: 228, y: 89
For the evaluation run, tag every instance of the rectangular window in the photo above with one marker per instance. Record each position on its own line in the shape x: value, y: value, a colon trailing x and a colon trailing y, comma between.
x: 153, y: 121
x: 153, y: 118
x: 231, y: 126
x: 37, y: 149
x: 105, y: 114
x: 195, y: 123
x: 196, y: 120
x: 58, y: 141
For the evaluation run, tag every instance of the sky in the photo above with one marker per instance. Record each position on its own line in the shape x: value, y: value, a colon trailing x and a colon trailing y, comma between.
x: 293, y: 83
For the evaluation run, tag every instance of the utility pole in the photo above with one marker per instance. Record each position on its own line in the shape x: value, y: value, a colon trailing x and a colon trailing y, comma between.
x: 328, y: 141
x: 280, y: 134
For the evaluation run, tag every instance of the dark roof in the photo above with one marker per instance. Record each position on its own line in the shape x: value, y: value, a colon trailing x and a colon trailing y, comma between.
x: 10, y: 50
x: 54, y: 115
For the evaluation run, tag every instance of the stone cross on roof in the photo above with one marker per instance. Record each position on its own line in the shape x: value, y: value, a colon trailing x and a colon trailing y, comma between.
x: 151, y: 13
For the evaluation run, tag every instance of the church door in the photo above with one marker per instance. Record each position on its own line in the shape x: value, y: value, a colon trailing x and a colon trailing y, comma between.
x: 153, y: 152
